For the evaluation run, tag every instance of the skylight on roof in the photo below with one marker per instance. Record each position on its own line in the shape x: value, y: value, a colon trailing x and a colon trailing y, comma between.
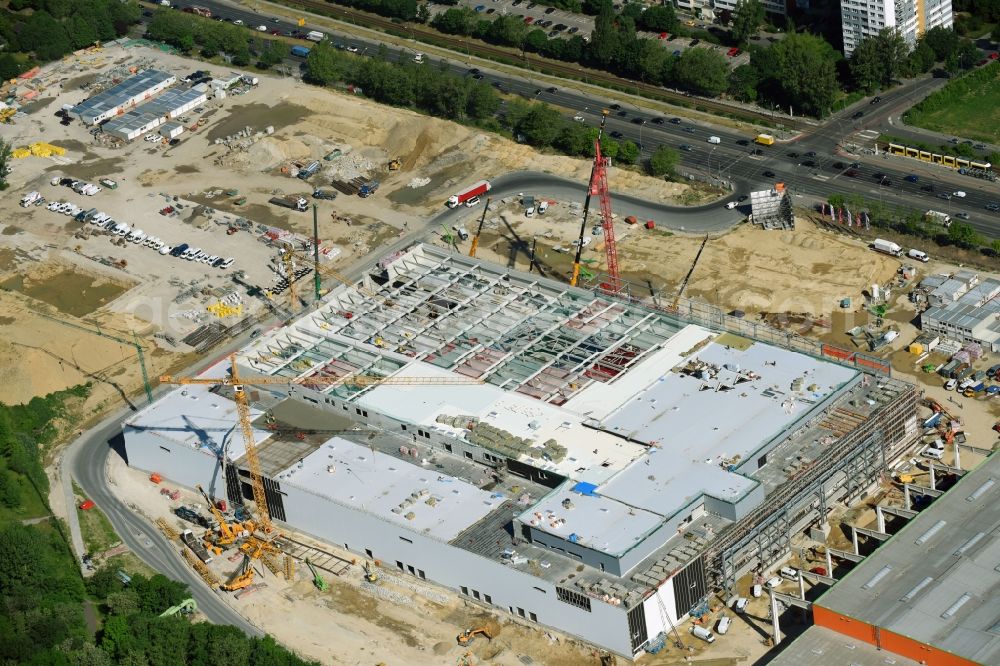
x: 961, y: 601
x: 970, y: 543
x: 874, y: 580
x: 916, y: 589
x: 934, y: 529
x: 980, y: 491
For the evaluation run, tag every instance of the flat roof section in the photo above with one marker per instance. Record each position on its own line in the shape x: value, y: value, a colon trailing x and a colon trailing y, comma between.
x: 937, y: 580
x: 702, y: 426
x: 597, y: 522
x: 118, y: 94
x: 825, y: 647
x: 417, y: 498
x: 198, y: 418
x: 591, y: 455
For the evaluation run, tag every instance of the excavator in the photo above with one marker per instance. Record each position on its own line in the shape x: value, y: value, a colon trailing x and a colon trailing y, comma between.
x: 371, y: 573
x: 242, y: 578
x: 490, y: 630
x: 228, y: 533
x: 317, y: 579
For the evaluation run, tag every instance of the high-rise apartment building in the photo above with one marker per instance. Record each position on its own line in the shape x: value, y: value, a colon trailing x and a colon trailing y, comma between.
x: 866, y: 18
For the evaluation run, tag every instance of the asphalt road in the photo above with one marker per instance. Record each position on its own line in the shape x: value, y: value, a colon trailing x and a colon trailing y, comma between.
x: 85, y: 460
x: 729, y: 163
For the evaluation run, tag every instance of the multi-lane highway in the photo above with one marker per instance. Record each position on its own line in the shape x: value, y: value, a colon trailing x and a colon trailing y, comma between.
x: 732, y: 161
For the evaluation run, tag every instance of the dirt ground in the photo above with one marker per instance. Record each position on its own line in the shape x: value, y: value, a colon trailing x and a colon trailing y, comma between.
x: 44, y: 268
x: 238, y: 152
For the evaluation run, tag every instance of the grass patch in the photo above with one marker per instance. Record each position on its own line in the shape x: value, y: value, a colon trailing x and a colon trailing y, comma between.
x: 98, y: 534
x: 130, y: 563
x: 968, y: 106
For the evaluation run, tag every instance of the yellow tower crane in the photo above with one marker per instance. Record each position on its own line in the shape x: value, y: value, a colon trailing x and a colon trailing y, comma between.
x: 246, y: 425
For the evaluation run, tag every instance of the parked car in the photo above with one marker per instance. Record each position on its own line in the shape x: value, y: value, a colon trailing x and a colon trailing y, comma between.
x: 741, y: 605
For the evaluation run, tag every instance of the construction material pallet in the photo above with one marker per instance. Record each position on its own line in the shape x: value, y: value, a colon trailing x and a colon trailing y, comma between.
x: 199, y: 566
x: 167, y: 529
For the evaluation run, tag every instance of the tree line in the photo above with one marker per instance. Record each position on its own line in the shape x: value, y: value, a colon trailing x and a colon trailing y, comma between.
x: 190, y: 32
x: 914, y: 223
x: 43, y: 594
x: 436, y: 91
x: 39, y: 31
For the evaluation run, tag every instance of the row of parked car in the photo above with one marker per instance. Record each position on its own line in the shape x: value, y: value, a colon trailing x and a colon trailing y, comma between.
x: 138, y: 236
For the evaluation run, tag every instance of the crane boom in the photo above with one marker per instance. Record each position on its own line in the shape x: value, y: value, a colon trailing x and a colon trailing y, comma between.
x: 475, y: 239
x: 599, y: 185
x: 246, y: 423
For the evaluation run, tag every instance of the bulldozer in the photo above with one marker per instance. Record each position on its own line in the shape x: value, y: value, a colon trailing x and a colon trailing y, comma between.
x: 395, y: 164
x: 490, y: 630
x: 371, y: 573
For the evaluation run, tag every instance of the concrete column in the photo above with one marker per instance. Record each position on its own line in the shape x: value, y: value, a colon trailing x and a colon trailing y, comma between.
x: 802, y: 587
x: 958, y: 457
x: 829, y: 564
x: 854, y: 540
x: 906, y: 497
x: 933, y: 476
x: 775, y: 629
x: 880, y: 518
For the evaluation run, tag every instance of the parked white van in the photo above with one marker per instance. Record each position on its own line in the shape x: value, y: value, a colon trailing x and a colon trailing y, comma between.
x: 723, y: 625
x: 703, y: 633
x: 741, y: 605
x: 918, y: 255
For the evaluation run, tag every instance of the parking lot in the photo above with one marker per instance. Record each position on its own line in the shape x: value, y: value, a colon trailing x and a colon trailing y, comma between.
x: 560, y: 23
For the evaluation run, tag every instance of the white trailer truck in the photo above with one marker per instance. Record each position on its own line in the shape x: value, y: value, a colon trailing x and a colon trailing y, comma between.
x: 887, y: 247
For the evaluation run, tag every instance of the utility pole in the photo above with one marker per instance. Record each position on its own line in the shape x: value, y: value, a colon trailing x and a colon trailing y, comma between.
x: 317, y: 282
x: 134, y: 343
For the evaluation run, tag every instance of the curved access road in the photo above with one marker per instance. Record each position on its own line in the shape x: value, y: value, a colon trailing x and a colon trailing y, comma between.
x: 713, y: 217
x: 86, y: 461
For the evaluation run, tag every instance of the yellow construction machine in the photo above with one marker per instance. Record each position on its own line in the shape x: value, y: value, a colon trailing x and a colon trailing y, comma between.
x: 371, y: 573
x: 490, y: 630
x: 228, y: 533
x: 395, y: 164
x: 242, y: 578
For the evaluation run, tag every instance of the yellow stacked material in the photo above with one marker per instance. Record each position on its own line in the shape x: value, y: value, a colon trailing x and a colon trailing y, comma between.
x: 7, y: 114
x: 221, y: 309
x: 45, y: 150
x: 20, y: 153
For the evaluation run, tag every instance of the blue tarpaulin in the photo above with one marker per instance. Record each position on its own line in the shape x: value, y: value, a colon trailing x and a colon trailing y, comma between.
x: 585, y: 488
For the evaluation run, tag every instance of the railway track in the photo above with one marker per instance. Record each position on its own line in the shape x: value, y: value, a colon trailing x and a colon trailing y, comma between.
x: 568, y: 70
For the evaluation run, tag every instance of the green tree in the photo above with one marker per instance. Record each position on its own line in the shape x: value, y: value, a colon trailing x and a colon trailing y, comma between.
x: 658, y: 18
x: 702, y: 70
x: 455, y: 21
x: 664, y: 161
x: 540, y: 125
x: 604, y: 40
x: 943, y: 41
x: 921, y: 59
x: 865, y: 65
x: 963, y: 235
x: 628, y: 152
x: 744, y: 81
x: 324, y: 65
x: 893, y: 49
x: 45, y: 36
x: 481, y: 102
x: 9, y: 66
x: 995, y: 35
x: 747, y: 18
x: 805, y: 69
x: 5, y: 150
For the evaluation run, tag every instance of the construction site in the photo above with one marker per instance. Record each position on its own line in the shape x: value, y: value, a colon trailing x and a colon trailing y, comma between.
x: 568, y: 426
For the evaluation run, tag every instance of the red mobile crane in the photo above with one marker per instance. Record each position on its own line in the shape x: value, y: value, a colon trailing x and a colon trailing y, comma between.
x: 599, y: 186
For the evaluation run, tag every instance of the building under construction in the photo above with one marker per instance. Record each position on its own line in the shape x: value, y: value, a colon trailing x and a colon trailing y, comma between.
x: 617, y: 464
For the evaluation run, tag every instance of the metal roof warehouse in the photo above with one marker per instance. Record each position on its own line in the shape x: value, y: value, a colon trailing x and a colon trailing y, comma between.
x: 123, y: 96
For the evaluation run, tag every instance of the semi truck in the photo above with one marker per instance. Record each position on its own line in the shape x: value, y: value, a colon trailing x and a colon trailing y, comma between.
x: 309, y: 170
x: 300, y: 52
x: 295, y: 203
x: 887, y: 247
x: 938, y: 217
x: 764, y: 139
x: 192, y: 542
x: 192, y: 516
x: 368, y: 189
x: 482, y: 187
x: 315, y: 36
